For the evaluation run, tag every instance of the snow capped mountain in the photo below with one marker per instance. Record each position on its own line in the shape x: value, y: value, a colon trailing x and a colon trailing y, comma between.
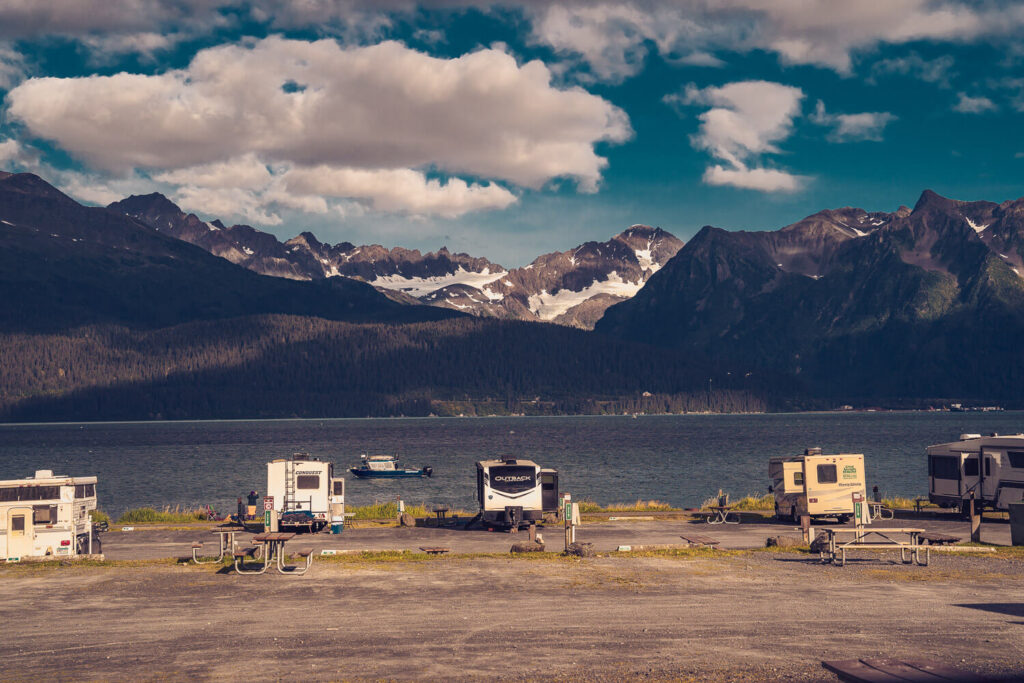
x: 570, y: 288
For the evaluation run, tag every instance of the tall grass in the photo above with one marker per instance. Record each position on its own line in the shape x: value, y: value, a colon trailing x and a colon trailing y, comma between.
x: 750, y: 503
x: 147, y: 514
x: 99, y: 516
x: 638, y: 506
x: 389, y: 510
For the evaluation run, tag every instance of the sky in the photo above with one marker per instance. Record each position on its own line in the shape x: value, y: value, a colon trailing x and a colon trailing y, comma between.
x: 512, y: 129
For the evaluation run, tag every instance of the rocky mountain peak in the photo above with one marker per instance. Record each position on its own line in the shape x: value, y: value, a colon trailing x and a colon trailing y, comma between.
x: 153, y: 203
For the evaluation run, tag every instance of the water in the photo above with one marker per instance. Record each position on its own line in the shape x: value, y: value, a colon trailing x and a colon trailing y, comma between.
x: 680, y: 459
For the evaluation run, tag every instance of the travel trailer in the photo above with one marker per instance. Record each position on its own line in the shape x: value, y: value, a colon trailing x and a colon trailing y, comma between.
x: 511, y: 492
x: 46, y: 516
x: 954, y: 471
x: 816, y: 485
x: 305, y: 493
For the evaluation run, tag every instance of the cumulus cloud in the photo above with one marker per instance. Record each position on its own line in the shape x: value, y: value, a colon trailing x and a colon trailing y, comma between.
x: 238, y: 110
x: 613, y: 38
x: 867, y: 125
x: 973, y: 105
x: 744, y: 123
x: 12, y: 67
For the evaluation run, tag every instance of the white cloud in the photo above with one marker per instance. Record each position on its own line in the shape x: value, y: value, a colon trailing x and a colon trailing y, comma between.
x: 615, y: 37
x: 12, y: 67
x: 226, y: 201
x: 384, y: 106
x: 246, y: 172
x: 399, y: 190
x: 938, y: 70
x: 744, y: 123
x: 867, y: 125
x: 762, y: 179
x: 973, y: 105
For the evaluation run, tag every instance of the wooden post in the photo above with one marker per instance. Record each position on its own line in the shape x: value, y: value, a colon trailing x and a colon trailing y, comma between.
x: 805, y: 527
x: 533, y: 532
x: 975, y: 519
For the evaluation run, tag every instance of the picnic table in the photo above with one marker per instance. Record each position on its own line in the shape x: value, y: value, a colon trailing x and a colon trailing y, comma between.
x: 227, y: 544
x: 880, y: 511
x: 834, y: 550
x: 897, y: 671
x: 720, y: 515
x: 273, y: 551
x: 441, y: 512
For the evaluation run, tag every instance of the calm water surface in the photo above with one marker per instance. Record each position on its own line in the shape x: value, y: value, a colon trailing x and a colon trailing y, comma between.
x: 681, y: 459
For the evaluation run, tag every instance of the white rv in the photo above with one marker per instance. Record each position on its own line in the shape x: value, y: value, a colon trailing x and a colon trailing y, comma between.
x: 954, y: 471
x: 46, y: 516
x: 816, y: 485
x: 511, y: 492
x: 306, y: 494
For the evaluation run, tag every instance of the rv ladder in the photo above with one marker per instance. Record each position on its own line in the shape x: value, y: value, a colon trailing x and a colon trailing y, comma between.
x: 289, y: 485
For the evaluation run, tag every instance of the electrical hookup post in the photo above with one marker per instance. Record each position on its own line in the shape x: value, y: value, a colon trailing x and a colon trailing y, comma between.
x: 269, y: 514
x: 571, y: 516
x: 861, y: 512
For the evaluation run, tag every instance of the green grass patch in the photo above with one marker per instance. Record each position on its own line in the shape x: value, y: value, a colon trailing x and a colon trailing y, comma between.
x: 149, y: 515
x: 589, y: 506
x: 389, y: 510
x: 99, y: 516
x: 750, y: 503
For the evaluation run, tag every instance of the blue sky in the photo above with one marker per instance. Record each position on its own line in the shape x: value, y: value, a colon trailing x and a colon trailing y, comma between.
x: 512, y: 129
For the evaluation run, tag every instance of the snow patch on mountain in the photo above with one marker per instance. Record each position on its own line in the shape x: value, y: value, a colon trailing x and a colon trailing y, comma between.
x: 977, y: 228
x: 646, y: 259
x: 421, y: 286
x: 550, y: 306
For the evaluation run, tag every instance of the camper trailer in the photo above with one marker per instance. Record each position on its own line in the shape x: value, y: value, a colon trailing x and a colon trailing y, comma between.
x: 46, y: 516
x: 816, y: 485
x: 992, y: 467
x: 306, y: 494
x: 511, y: 492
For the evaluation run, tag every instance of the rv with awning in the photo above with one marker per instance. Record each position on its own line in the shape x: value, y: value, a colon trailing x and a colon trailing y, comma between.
x: 512, y: 491
x: 816, y: 484
x: 46, y: 515
x: 992, y: 467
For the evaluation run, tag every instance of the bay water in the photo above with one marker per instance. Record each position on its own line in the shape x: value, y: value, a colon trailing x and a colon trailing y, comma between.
x: 678, y: 459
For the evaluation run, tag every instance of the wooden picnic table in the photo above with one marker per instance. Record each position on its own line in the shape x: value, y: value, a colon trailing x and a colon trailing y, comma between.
x: 880, y: 511
x: 834, y: 549
x: 720, y: 515
x: 897, y: 671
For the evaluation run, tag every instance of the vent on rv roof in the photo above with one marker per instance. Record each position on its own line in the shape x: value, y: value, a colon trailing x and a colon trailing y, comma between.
x: 44, y: 474
x: 964, y: 437
x: 812, y: 451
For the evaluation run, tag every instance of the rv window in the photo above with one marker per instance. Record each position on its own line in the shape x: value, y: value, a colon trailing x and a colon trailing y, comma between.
x: 1016, y: 459
x: 18, y: 523
x: 307, y: 481
x: 339, y: 488
x: 798, y: 478
x: 85, y: 490
x: 971, y: 467
x: 827, y: 474
x: 30, y: 493
x: 44, y: 514
x: 945, y: 467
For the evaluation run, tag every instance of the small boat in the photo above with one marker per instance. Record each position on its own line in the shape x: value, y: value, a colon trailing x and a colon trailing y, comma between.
x: 385, y: 466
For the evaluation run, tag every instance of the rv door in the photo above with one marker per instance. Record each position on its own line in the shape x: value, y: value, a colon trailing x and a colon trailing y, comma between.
x: 549, y: 491
x: 970, y: 478
x: 990, y: 480
x: 20, y: 533
x: 945, y: 475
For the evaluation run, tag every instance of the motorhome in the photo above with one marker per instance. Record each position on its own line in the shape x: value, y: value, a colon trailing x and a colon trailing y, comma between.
x: 46, y: 515
x: 816, y: 485
x: 954, y: 471
x: 512, y: 492
x: 305, y: 493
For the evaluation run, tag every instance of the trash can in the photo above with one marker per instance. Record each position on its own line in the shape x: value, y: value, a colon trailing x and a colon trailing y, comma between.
x: 1017, y: 523
x: 337, y: 527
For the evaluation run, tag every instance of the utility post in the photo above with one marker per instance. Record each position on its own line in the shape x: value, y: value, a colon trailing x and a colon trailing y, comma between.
x: 975, y: 515
x: 567, y: 518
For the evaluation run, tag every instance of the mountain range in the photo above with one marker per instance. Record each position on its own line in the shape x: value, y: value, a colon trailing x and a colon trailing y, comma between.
x: 571, y: 288
x: 926, y: 302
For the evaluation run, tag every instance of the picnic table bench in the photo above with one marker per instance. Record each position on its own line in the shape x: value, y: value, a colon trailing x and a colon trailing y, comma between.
x: 699, y: 541
x: 273, y: 552
x: 432, y: 550
x: 896, y: 671
x: 834, y: 551
x: 880, y: 511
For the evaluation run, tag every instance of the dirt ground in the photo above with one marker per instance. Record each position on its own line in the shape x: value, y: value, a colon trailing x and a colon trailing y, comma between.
x: 738, y: 616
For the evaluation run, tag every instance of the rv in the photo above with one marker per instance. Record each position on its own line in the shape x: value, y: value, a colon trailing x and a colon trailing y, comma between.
x: 816, y: 485
x: 511, y: 491
x: 305, y: 493
x: 954, y: 471
x: 46, y: 516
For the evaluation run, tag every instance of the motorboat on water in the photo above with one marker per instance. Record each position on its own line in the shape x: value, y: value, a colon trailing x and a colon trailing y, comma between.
x: 385, y: 466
